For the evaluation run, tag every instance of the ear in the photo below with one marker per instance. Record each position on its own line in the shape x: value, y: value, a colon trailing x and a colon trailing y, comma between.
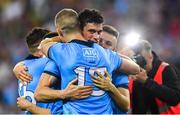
x: 151, y: 56
x: 59, y: 31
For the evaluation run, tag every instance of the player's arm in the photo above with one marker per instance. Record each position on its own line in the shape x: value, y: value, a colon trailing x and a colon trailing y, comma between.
x: 24, y: 104
x: 47, y: 43
x: 124, y: 56
x: 45, y: 93
x: 119, y: 95
x: 53, y: 39
x: 128, y: 66
x: 21, y: 72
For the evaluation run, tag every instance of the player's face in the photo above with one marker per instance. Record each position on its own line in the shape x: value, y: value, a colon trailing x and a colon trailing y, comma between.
x: 108, y: 41
x: 92, y: 31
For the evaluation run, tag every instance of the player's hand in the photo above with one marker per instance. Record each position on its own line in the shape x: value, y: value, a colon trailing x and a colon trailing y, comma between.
x: 44, y: 42
x: 74, y: 92
x: 23, y: 104
x: 48, y: 40
x: 103, y: 82
x: 141, y: 76
x: 21, y: 73
x: 132, y: 77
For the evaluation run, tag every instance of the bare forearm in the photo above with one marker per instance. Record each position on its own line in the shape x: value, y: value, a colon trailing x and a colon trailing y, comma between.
x: 129, y: 67
x: 37, y: 110
x: 56, y: 39
x: 15, y: 69
x: 46, y: 94
x: 125, y: 57
x: 121, y: 100
x: 53, y: 39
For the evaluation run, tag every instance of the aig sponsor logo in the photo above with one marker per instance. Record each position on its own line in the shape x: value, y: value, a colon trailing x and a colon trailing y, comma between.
x: 89, y: 52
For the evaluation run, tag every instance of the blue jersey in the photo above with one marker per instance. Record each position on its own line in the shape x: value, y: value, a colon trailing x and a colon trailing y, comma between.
x: 81, y: 59
x: 56, y: 107
x: 119, y: 80
x: 35, y: 67
x: 52, y: 69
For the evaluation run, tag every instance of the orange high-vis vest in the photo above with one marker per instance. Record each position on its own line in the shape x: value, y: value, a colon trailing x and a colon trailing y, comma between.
x: 162, y: 106
x: 130, y: 91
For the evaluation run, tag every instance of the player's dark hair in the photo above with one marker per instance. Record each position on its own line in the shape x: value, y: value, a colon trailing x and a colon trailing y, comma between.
x: 89, y: 16
x: 35, y: 36
x: 111, y: 30
x: 50, y: 35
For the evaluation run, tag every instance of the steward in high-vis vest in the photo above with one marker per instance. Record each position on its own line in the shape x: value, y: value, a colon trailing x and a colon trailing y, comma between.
x: 155, y: 90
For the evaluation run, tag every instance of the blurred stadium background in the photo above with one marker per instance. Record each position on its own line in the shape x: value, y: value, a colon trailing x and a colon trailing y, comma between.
x: 158, y: 21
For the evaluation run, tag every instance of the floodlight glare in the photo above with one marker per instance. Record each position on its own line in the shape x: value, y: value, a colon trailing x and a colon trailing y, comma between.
x: 132, y: 38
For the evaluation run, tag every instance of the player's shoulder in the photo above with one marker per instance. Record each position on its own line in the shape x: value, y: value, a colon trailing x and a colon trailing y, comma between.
x: 100, y: 48
x: 45, y: 59
x: 56, y: 48
x: 50, y: 62
x: 59, y: 46
x: 39, y: 61
x: 30, y: 59
x: 56, y: 45
x: 111, y: 53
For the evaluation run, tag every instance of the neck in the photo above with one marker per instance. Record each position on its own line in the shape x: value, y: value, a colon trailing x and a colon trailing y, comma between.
x: 36, y: 54
x: 75, y: 35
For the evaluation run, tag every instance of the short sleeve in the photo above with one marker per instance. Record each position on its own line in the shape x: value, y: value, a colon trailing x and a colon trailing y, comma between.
x: 54, y: 51
x: 116, y: 60
x: 52, y: 69
x: 120, y: 80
